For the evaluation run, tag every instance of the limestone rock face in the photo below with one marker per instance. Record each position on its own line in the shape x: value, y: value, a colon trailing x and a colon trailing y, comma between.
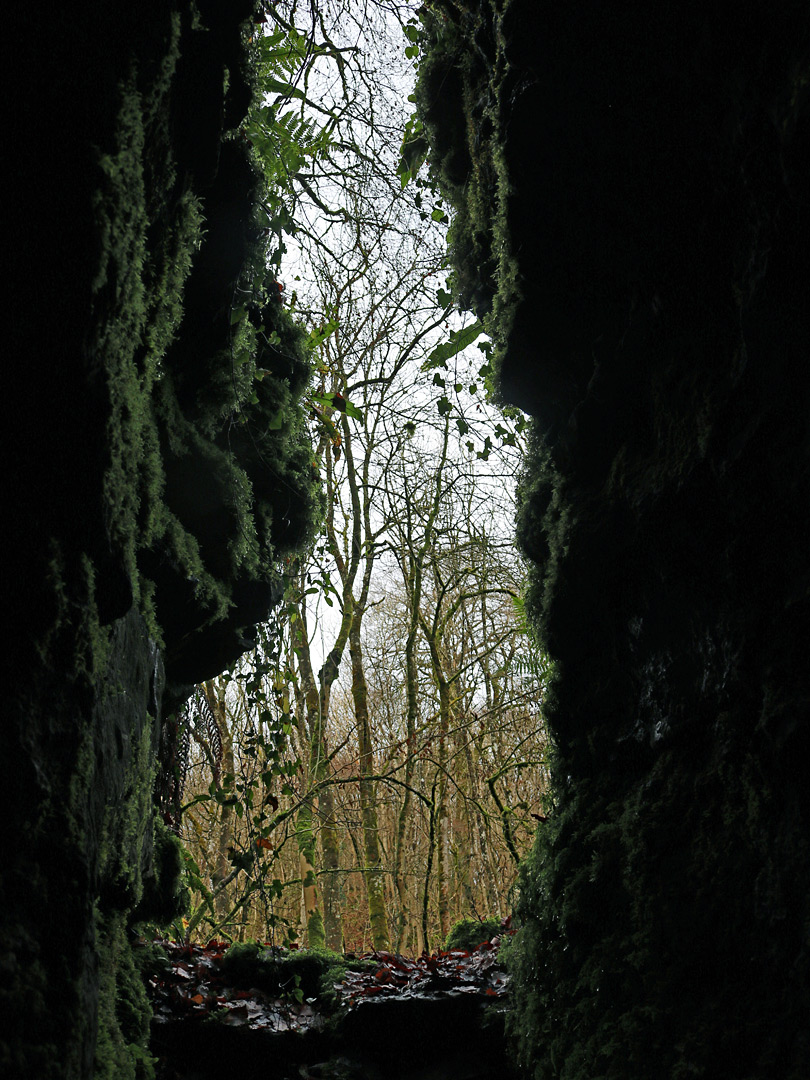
x: 634, y: 221
x: 144, y: 530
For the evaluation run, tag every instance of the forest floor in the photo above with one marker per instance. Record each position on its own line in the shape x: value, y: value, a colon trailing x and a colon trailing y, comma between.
x: 387, y: 1016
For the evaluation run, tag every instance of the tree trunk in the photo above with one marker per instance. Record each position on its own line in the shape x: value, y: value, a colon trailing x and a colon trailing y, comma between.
x: 222, y: 869
x: 413, y: 559
x: 332, y: 886
x: 480, y: 857
x: 305, y: 837
x: 372, y: 870
x: 428, y: 868
x: 466, y: 858
x: 406, y: 919
x: 442, y: 811
x: 305, y: 821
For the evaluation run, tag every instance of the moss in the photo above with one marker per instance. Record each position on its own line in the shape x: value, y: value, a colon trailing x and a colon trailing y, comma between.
x: 178, y: 360
x: 123, y: 299
x: 127, y: 826
x: 140, y: 381
x: 166, y: 895
x: 542, y: 527
x: 123, y: 1010
x: 462, y: 96
x: 607, y: 899
x: 183, y: 235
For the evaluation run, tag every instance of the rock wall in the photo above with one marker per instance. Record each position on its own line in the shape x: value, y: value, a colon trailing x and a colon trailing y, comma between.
x: 633, y: 220
x: 158, y: 470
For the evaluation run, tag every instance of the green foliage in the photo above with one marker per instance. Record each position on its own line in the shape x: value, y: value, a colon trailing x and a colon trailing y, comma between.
x: 458, y: 341
x: 285, y: 138
x: 267, y: 763
x: 414, y: 151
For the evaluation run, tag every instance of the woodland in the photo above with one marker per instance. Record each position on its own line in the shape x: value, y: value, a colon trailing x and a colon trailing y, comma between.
x: 371, y: 771
x: 409, y: 471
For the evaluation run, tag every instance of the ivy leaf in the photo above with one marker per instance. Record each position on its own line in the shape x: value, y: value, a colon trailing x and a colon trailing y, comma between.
x: 338, y: 402
x: 483, y: 455
x: 459, y: 340
x: 413, y: 151
x: 317, y: 337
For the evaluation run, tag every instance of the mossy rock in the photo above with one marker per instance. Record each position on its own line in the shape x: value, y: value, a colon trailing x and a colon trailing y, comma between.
x: 470, y: 933
x: 165, y: 893
x: 303, y: 973
x: 154, y: 227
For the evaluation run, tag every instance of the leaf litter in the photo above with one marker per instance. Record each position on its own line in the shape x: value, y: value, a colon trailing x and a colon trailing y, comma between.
x: 194, y: 984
